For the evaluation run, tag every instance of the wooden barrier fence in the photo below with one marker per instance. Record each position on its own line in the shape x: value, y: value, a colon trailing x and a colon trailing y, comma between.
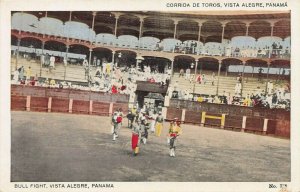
x: 244, y: 119
x: 244, y: 123
x: 30, y: 98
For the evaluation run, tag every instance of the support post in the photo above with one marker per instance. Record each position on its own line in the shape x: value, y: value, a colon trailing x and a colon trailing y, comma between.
x: 49, y: 104
x: 265, y: 128
x: 223, y: 121
x: 65, y: 64
x: 70, y: 105
x: 199, y: 31
x: 242, y: 86
x: 116, y: 24
x: 223, y: 30
x: 183, y: 115
x: 196, y: 66
x: 175, y: 28
x: 247, y: 29
x: 203, y: 118
x: 89, y: 66
x: 28, y: 99
x: 219, y: 70
x: 111, y: 105
x: 18, y: 50
x: 41, y: 65
x: 172, y: 67
x: 244, y: 123
x: 91, y: 107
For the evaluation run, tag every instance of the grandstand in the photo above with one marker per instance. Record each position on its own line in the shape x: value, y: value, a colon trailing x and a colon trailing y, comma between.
x: 250, y: 51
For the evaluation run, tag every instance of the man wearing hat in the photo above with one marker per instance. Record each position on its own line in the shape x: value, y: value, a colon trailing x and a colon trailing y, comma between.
x: 130, y: 118
x: 144, y: 126
x: 159, y: 124
x: 115, y: 125
x: 174, y: 132
x: 134, y: 112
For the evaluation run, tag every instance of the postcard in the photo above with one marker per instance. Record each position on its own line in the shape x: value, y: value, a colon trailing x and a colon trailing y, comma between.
x: 149, y: 96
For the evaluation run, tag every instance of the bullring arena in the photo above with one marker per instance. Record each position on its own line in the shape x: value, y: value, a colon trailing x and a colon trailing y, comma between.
x: 66, y: 148
x: 224, y: 77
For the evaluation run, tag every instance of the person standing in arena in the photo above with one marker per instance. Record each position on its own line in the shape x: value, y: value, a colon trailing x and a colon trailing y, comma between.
x: 159, y: 124
x: 153, y: 121
x: 120, y: 117
x: 174, y: 132
x: 135, y: 138
x: 144, y: 126
x: 130, y: 118
x: 115, y: 121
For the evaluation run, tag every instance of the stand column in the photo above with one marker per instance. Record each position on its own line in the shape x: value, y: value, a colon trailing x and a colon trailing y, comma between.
x: 219, y: 70
x: 116, y: 23
x: 41, y: 65
x: 18, y: 50
x: 89, y: 66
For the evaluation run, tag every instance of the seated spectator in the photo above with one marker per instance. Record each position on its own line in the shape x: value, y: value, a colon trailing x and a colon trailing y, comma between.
x: 199, y: 79
x: 152, y: 80
x: 216, y: 100
x: 46, y: 83
x: 200, y: 99
x: 181, y: 73
x: 114, y: 89
x: 203, y: 79
x: 52, y: 83
x: 213, y: 78
x: 247, y: 101
x: 28, y: 73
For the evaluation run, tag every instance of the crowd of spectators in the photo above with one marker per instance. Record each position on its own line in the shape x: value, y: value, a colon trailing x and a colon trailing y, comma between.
x: 273, y: 52
x: 272, y: 97
x: 112, y: 79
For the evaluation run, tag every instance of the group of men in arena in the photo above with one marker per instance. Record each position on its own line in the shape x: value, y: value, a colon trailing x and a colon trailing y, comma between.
x: 140, y: 121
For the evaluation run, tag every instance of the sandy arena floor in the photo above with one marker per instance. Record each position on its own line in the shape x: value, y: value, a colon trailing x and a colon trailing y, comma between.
x: 63, y: 148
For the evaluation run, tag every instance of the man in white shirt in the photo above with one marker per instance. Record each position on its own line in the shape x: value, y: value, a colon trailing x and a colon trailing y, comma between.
x: 85, y: 63
x: 187, y: 73
x: 176, y: 86
x: 16, y: 76
x: 269, y: 87
x: 52, y: 62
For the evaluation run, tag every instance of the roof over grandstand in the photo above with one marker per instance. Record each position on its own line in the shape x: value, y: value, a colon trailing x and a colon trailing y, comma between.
x: 161, y: 24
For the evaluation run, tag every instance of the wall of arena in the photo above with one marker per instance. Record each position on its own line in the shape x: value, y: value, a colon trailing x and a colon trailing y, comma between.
x: 274, y: 122
x: 66, y: 100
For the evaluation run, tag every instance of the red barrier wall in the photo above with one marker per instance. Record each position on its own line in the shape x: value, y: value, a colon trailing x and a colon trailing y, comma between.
x: 281, y: 128
x: 100, y: 109
x: 81, y: 101
x: 80, y: 107
x: 60, y: 105
x: 254, y: 124
x: 123, y: 106
x: 193, y: 117
x: 233, y: 122
x: 39, y: 104
x: 174, y: 113
x: 18, y: 103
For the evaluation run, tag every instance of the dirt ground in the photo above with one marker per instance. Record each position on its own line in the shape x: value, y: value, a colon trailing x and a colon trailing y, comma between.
x: 64, y: 148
